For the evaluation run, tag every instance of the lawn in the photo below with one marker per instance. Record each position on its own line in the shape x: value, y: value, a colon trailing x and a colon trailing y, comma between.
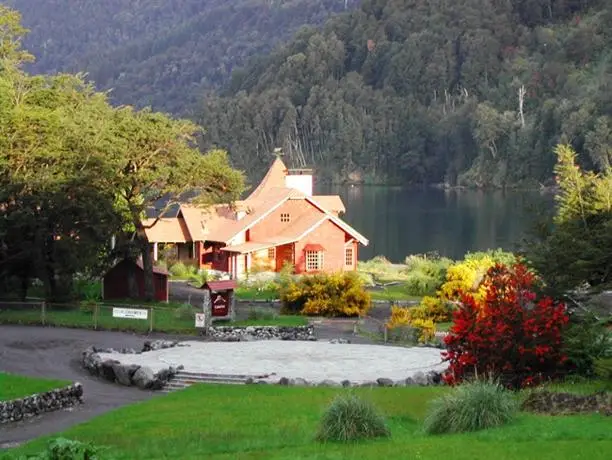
x: 165, y: 319
x: 393, y: 293
x: 17, y: 386
x: 272, y: 422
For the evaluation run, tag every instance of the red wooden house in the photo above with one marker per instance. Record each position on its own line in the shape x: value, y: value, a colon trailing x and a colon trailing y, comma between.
x: 115, y: 284
x: 280, y: 222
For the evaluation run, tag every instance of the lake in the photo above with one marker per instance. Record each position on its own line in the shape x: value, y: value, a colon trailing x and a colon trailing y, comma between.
x: 400, y: 221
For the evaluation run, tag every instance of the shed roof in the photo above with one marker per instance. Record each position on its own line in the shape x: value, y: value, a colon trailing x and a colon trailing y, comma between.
x: 221, y: 285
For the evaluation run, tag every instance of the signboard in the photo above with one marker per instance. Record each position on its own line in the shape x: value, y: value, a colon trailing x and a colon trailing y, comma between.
x: 220, y: 304
x: 200, y: 320
x: 131, y: 313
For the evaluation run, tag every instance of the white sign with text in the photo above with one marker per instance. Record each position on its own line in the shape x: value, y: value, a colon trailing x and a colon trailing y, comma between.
x: 131, y: 313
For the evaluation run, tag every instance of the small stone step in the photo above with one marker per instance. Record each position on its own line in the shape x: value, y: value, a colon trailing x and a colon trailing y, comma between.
x: 185, y: 379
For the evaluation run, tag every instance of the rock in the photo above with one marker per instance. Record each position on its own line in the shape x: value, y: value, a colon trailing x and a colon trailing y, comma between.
x: 284, y: 381
x: 124, y: 373
x: 328, y: 383
x: 420, y: 378
x: 300, y: 382
x: 409, y: 382
x: 367, y: 384
x: 434, y: 378
x: 339, y: 340
x: 157, y: 384
x: 249, y: 381
x: 384, y: 382
x: 106, y: 370
x: 262, y: 382
x: 19, y: 409
x: 143, y: 378
x: 346, y: 383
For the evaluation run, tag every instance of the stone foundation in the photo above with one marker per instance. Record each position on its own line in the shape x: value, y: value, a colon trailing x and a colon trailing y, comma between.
x: 237, y: 334
x: 30, y: 406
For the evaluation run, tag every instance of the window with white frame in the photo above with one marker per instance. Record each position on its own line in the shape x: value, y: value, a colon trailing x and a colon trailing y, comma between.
x: 348, y: 257
x: 285, y: 217
x: 314, y: 260
x: 271, y: 253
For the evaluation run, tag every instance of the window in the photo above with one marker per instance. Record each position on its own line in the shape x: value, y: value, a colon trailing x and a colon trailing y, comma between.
x: 271, y: 253
x: 314, y: 260
x: 285, y: 217
x: 348, y: 257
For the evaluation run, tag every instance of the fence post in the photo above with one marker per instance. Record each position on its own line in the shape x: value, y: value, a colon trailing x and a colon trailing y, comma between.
x: 96, y: 312
x: 43, y: 312
x: 151, y: 326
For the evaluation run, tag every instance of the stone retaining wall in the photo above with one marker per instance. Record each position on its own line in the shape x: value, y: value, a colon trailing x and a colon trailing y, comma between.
x: 19, y: 409
x: 130, y: 374
x: 430, y: 378
x: 236, y: 334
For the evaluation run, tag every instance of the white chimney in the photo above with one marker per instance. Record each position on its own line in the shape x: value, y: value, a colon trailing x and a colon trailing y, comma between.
x: 299, y: 179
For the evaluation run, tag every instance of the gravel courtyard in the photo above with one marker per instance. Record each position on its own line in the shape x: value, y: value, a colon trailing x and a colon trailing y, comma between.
x: 313, y: 361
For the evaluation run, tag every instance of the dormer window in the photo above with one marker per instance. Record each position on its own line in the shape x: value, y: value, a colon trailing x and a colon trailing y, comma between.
x: 285, y: 217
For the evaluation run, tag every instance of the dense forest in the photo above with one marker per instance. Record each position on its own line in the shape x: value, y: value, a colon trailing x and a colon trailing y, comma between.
x: 468, y: 92
x: 163, y: 54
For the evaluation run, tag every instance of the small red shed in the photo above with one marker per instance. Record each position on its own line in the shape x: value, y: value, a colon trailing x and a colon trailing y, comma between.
x: 116, y: 281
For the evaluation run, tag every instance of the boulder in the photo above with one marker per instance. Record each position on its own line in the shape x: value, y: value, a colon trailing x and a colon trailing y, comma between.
x: 328, y: 383
x: 346, y: 383
x: 106, y: 370
x: 384, y: 382
x: 409, y: 382
x: 284, y: 381
x: 124, y: 373
x: 143, y: 378
x: 300, y: 382
x: 420, y: 379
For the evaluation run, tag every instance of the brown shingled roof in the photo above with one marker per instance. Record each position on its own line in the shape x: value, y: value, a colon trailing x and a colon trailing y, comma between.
x: 166, y: 230
x: 274, y: 178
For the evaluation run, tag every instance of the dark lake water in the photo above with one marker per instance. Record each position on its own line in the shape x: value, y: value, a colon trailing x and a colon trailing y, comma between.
x: 400, y: 221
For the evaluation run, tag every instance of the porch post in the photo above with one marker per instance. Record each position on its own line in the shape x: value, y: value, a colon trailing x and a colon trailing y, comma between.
x: 155, y: 252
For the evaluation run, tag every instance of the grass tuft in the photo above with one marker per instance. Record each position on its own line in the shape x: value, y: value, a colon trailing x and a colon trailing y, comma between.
x: 350, y: 418
x: 471, y: 407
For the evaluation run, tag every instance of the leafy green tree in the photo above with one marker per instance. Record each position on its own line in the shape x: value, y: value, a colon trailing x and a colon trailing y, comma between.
x: 156, y: 161
x: 576, y: 247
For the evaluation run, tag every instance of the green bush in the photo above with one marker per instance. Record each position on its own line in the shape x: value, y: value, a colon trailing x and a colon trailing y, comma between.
x: 603, y: 369
x: 331, y: 295
x: 67, y: 449
x: 90, y: 290
x: 470, y: 407
x: 585, y: 341
x: 181, y: 270
x: 349, y: 418
x: 185, y: 311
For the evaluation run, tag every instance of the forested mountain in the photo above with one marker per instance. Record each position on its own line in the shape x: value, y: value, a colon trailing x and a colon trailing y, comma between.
x: 473, y: 92
x: 161, y: 53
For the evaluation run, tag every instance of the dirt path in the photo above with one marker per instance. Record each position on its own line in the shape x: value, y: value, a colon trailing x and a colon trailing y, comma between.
x: 55, y: 353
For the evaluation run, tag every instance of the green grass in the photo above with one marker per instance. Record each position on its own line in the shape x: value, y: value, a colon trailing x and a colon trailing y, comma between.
x: 165, y: 319
x: 271, y: 422
x: 17, y: 386
x: 254, y: 293
x: 391, y: 293
x: 282, y: 320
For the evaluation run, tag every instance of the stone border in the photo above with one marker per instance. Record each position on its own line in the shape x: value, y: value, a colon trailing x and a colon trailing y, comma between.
x: 36, y: 404
x: 130, y: 374
x: 249, y: 333
x: 431, y: 378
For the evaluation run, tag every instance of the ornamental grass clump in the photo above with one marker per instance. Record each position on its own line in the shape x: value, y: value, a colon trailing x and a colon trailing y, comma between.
x: 349, y: 418
x: 471, y: 407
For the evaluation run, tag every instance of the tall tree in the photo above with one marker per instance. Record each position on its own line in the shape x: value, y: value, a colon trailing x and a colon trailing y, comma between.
x: 157, y: 163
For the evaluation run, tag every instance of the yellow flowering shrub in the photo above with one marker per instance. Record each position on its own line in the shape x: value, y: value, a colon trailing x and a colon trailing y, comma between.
x: 435, y: 309
x: 401, y: 316
x: 334, y: 294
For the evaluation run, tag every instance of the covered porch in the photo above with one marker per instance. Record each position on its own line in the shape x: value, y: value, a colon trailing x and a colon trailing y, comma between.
x: 251, y: 256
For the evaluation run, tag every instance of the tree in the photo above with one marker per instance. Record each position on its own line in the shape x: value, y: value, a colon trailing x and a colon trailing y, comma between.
x: 575, y: 247
x: 157, y: 164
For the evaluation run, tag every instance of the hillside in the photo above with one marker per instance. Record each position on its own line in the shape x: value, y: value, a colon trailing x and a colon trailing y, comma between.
x: 468, y: 92
x: 161, y: 53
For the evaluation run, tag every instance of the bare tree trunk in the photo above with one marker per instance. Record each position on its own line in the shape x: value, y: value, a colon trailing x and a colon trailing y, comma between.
x: 147, y: 265
x: 521, y: 95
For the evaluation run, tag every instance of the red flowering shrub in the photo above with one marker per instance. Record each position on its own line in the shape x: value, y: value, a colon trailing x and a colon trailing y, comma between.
x: 509, y: 334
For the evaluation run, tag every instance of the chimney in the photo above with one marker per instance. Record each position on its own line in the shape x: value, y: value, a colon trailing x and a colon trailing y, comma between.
x: 299, y: 179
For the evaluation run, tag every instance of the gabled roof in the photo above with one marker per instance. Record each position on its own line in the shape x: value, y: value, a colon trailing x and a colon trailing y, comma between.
x: 331, y: 203
x: 274, y: 178
x: 166, y: 230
